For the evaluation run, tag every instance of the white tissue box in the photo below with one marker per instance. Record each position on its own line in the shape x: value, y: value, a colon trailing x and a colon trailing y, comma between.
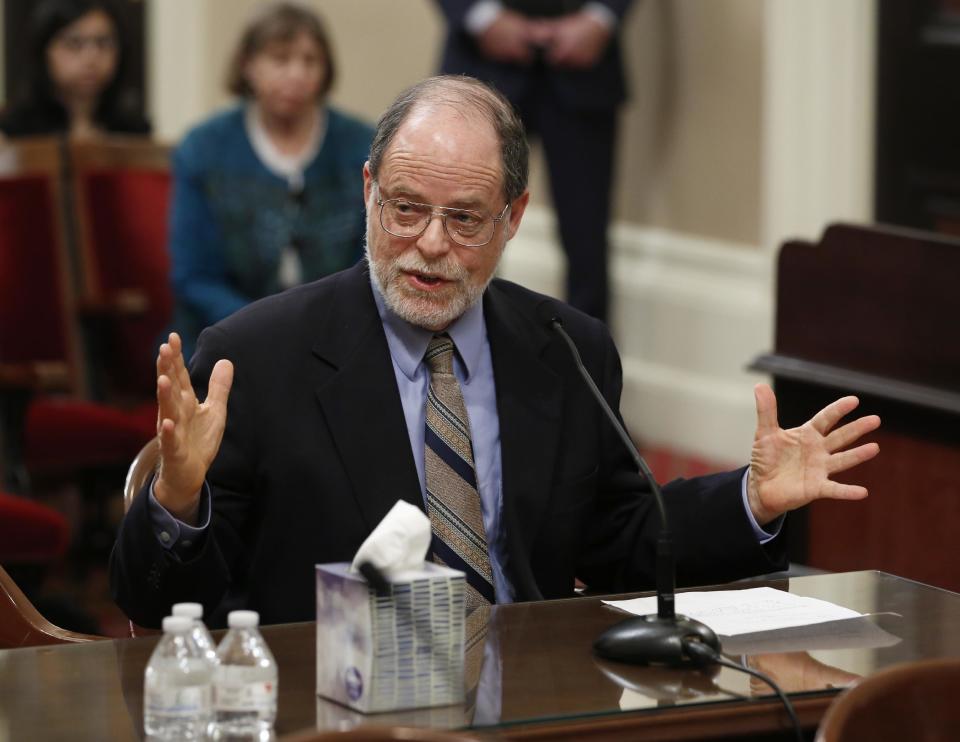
x: 400, y: 651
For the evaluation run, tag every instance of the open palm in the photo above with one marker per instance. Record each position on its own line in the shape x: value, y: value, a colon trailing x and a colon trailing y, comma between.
x: 791, y: 468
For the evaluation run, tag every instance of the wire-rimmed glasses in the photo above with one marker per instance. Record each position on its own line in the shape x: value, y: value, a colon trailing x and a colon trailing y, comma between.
x: 409, y: 219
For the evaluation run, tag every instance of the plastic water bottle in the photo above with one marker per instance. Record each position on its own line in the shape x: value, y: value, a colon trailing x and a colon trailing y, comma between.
x: 198, y: 632
x: 245, y: 681
x: 177, y: 691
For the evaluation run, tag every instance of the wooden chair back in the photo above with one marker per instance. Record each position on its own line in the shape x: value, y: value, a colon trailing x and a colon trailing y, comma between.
x: 915, y: 701
x: 39, y: 337
x: 140, y: 471
x: 21, y: 625
x: 121, y: 191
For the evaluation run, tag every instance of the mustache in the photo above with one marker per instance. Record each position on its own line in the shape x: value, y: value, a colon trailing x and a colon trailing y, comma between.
x: 444, y: 268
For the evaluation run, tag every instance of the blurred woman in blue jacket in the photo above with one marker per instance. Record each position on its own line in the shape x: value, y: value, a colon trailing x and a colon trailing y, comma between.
x: 267, y: 194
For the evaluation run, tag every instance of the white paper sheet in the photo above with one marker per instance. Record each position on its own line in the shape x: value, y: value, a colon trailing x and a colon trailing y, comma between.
x: 733, y: 612
x: 850, y: 633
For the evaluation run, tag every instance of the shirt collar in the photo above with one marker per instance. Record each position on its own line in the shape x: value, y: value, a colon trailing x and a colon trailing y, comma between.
x: 408, y: 343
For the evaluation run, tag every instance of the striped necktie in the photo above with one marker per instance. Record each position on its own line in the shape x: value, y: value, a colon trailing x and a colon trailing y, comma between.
x: 453, y: 503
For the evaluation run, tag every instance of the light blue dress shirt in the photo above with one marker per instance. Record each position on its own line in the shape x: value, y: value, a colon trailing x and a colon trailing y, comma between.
x: 473, y: 368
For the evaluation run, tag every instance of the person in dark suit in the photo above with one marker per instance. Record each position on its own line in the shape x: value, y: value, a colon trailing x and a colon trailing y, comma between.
x: 560, y: 64
x: 321, y: 411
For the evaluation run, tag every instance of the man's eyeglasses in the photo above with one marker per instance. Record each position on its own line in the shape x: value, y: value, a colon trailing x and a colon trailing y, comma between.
x: 409, y: 219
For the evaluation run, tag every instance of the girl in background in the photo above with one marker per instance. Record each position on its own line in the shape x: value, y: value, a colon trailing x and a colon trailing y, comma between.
x: 73, y: 75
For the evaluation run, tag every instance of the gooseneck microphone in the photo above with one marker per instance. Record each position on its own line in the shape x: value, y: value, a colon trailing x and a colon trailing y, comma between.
x: 663, y: 638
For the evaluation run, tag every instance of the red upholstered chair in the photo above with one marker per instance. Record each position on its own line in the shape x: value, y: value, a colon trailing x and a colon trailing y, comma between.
x: 35, y: 279
x: 38, y: 347
x: 43, y: 433
x: 30, y: 532
x: 121, y: 192
x: 31, y: 535
x: 65, y: 434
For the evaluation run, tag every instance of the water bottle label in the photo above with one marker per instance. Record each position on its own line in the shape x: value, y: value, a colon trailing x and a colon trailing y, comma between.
x: 176, y: 702
x: 246, y: 697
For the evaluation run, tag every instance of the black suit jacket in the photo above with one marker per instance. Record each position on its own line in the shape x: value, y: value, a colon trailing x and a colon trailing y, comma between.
x: 601, y: 86
x: 316, y: 452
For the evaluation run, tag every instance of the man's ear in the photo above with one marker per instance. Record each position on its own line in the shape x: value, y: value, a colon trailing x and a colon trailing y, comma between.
x: 517, y: 208
x: 367, y: 182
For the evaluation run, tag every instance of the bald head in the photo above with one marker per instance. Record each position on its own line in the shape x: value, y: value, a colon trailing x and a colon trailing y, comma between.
x: 474, y: 102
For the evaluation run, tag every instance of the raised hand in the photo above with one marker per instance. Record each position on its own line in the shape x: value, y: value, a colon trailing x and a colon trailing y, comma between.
x: 190, y: 431
x: 790, y: 468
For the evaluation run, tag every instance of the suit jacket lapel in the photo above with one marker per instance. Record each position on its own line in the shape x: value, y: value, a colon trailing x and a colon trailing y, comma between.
x: 529, y: 394
x: 359, y: 399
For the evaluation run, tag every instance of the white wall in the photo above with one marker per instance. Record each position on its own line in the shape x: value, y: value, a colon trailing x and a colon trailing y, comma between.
x: 819, y: 114
x: 689, y: 156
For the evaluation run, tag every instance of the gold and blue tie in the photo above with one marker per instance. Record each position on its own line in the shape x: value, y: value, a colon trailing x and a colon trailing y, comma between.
x: 453, y: 502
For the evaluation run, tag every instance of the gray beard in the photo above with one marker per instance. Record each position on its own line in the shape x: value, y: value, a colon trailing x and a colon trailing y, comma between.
x: 418, y: 308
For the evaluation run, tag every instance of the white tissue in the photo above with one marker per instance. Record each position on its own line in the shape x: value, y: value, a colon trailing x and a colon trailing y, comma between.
x: 399, y: 543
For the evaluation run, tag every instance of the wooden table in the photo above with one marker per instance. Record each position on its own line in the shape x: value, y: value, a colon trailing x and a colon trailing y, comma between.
x: 550, y: 685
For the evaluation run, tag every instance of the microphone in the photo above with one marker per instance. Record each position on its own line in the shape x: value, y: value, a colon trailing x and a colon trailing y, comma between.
x: 654, y: 639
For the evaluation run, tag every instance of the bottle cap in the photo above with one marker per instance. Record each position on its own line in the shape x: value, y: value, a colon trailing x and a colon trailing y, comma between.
x: 177, y: 624
x: 243, y: 619
x: 190, y: 610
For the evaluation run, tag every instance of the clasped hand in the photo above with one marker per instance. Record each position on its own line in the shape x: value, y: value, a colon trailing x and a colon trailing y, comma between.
x: 574, y: 40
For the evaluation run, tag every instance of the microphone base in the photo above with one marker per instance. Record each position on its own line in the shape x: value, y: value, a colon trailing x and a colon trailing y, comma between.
x: 651, y: 640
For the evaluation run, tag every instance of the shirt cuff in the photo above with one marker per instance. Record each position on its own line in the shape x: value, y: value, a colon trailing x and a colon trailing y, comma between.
x: 174, y: 535
x: 602, y: 14
x: 481, y: 16
x: 773, y: 527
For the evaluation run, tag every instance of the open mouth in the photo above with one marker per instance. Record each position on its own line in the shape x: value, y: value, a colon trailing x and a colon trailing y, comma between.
x: 426, y: 280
